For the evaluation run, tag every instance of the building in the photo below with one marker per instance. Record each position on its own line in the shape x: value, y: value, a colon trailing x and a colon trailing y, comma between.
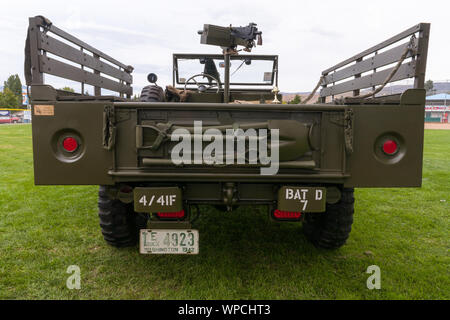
x: 437, y: 108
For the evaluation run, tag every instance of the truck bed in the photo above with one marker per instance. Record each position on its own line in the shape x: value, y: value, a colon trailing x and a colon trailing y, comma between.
x: 341, y: 142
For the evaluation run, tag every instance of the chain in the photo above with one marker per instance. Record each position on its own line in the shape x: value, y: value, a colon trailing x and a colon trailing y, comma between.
x: 409, y: 48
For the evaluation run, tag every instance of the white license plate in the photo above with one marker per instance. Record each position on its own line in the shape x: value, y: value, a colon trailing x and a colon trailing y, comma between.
x: 168, y: 241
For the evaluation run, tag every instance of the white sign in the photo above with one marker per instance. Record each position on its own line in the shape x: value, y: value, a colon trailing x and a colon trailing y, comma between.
x: 437, y: 108
x: 27, y: 115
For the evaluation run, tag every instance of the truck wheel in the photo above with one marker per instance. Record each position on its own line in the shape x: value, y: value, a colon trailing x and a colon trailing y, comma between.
x: 331, y: 229
x: 119, y: 223
x: 152, y: 93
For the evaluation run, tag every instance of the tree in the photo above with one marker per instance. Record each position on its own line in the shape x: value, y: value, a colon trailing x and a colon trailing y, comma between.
x: 297, y: 99
x: 8, y: 99
x: 15, y: 86
x: 68, y: 89
x: 428, y: 85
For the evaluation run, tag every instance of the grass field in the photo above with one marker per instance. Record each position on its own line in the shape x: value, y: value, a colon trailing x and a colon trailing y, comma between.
x: 243, y: 255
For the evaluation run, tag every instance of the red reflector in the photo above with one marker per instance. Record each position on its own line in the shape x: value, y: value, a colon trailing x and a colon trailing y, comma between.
x: 171, y: 215
x: 389, y: 147
x: 286, y: 214
x: 70, y: 144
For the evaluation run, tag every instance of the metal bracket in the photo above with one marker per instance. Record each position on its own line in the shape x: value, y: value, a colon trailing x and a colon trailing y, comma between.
x: 122, y: 115
x: 153, y: 224
x: 162, y: 131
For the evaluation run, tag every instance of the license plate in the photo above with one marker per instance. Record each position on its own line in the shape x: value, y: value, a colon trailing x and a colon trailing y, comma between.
x: 168, y: 241
x: 302, y: 199
x: 162, y: 199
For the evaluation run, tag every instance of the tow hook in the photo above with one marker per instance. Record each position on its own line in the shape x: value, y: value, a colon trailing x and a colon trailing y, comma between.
x: 229, y: 192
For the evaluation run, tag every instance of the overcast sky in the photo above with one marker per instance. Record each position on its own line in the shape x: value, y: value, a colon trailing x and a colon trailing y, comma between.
x: 308, y: 36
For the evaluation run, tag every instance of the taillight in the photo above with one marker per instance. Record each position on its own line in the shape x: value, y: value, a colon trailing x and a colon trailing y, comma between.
x: 390, y: 147
x: 171, y: 215
x: 70, y: 144
x: 286, y: 215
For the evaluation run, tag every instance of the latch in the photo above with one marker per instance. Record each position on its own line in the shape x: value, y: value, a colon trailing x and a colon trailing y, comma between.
x: 346, y: 121
x: 229, y: 192
x: 109, y: 128
x: 348, y: 130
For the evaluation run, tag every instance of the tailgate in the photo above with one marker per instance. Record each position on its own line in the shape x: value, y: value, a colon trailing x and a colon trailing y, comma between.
x: 145, y: 141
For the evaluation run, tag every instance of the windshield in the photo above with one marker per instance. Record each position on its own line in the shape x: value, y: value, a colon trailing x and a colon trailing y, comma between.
x: 244, y: 70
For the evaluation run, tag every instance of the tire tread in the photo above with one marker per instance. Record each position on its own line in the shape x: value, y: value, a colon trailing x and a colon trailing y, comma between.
x: 120, y: 225
x: 332, y: 228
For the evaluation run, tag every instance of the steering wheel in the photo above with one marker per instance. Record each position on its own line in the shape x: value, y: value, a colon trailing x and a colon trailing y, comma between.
x: 218, y: 84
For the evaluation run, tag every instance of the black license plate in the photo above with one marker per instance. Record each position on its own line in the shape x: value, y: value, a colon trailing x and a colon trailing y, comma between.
x: 302, y: 199
x: 161, y: 199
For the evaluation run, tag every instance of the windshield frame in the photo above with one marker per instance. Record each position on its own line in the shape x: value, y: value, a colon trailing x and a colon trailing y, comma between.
x: 274, y: 58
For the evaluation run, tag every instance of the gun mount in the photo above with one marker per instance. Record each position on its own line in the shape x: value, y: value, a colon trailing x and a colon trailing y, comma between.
x: 228, y: 38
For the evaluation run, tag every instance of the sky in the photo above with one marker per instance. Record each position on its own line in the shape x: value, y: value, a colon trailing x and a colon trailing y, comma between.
x: 308, y: 36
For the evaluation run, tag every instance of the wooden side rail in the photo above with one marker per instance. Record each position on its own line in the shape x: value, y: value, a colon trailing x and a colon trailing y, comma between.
x: 41, y: 40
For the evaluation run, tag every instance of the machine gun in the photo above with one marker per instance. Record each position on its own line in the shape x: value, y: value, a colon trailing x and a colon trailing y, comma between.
x: 228, y: 38
x: 231, y: 37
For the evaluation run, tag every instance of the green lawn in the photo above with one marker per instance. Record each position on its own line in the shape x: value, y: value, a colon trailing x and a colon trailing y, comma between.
x: 243, y: 255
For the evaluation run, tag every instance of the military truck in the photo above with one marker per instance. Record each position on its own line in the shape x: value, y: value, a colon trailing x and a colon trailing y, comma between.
x: 218, y: 134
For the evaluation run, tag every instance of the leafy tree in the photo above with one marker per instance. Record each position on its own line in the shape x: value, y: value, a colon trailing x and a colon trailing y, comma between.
x: 15, y: 86
x: 8, y: 99
x: 68, y: 89
x: 297, y: 99
x: 428, y: 85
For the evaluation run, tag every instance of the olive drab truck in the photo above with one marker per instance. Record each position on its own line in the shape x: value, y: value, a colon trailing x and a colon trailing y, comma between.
x: 219, y: 135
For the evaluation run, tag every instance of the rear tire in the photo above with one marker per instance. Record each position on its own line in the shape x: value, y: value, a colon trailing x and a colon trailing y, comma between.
x: 331, y: 229
x: 119, y: 223
x: 152, y: 93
